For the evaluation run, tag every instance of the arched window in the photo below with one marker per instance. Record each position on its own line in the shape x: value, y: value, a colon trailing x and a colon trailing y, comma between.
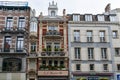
x: 12, y: 64
x: 33, y: 26
x: 52, y: 13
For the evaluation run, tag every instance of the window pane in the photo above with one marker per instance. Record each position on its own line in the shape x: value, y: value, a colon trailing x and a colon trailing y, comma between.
x: 20, y: 43
x: 76, y: 35
x: 9, y: 23
x: 100, y: 17
x: 77, y: 66
x: 21, y: 22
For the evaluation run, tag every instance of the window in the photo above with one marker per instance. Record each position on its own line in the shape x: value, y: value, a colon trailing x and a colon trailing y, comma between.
x: 90, y: 53
x: 77, y: 53
x: 20, y: 42
x: 9, y: 23
x: 89, y: 36
x: 52, y: 28
x: 117, y: 51
x: 49, y: 46
x: 100, y: 17
x: 33, y: 47
x: 105, y: 67
x: 50, y: 62
x: 7, y: 43
x: 115, y: 34
x: 102, y: 36
x: 61, y: 63
x: 91, y: 67
x: 33, y: 26
x: 104, y: 53
x: 21, y: 24
x: 55, y: 63
x: 43, y: 62
x: 76, y: 17
x: 112, y: 18
x: 52, y: 13
x: 12, y: 64
x: 77, y: 66
x: 56, y: 46
x: 88, y: 17
x: 76, y: 35
x: 118, y: 67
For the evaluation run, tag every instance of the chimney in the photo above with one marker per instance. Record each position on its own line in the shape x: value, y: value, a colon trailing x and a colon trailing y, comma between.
x: 108, y: 8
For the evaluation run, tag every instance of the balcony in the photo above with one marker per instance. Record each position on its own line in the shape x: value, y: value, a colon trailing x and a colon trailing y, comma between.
x: 32, y: 54
x: 12, y: 51
x: 53, y: 54
x: 33, y: 34
x: 53, y: 73
x: 53, y: 34
x: 13, y: 30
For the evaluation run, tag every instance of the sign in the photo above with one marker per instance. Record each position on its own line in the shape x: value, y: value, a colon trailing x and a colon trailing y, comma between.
x: 118, y: 76
x: 53, y: 73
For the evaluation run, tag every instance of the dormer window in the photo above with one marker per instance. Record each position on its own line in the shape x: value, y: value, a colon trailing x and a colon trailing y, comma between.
x: 52, y: 13
x: 100, y: 17
x: 76, y: 17
x: 88, y: 17
x: 112, y: 18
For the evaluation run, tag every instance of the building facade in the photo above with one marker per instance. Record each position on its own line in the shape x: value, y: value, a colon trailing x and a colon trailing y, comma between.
x: 14, y: 22
x: 93, y: 44
x: 53, y: 49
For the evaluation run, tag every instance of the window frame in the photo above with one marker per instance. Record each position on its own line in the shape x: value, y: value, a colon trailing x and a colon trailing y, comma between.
x: 91, y: 67
x: 9, y: 23
x: 90, y: 53
x: 76, y: 35
x: 88, y: 18
x: 104, y: 53
x: 33, y: 26
x: 76, y: 17
x: 115, y: 34
x: 20, y: 40
x: 105, y: 67
x: 89, y: 36
x: 101, y: 17
x: 21, y: 23
x: 78, y: 67
x: 77, y: 53
x: 102, y: 36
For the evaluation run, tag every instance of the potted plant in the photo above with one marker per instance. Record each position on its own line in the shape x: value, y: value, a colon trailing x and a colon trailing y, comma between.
x: 49, y: 49
x: 42, y: 67
x: 62, y: 67
x: 44, y: 49
x: 56, y: 49
x: 61, y: 49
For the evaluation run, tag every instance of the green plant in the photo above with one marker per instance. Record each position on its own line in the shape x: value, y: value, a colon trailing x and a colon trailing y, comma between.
x: 49, y: 49
x: 61, y: 49
x: 56, y: 49
x: 44, y: 49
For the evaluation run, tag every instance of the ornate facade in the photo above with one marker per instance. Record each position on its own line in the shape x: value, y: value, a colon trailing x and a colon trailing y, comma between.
x: 14, y: 27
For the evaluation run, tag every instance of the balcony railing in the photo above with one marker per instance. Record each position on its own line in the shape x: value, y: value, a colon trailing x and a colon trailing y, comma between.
x: 32, y: 54
x: 53, y: 54
x: 13, y: 30
x: 12, y: 50
x: 33, y: 34
x: 53, y: 34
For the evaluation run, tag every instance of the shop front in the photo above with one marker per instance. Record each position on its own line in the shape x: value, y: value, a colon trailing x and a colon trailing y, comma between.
x: 92, y: 76
x: 53, y: 75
